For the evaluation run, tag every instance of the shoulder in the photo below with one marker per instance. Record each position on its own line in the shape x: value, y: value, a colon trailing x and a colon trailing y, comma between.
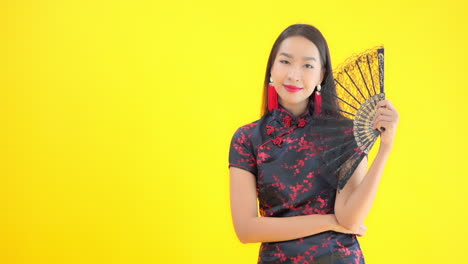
x: 252, y: 130
x: 246, y: 131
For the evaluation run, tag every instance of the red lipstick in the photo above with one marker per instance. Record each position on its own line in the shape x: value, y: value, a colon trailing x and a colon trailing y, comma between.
x: 292, y: 88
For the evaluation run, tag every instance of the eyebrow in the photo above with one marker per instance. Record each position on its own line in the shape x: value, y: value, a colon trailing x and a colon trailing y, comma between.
x: 290, y: 56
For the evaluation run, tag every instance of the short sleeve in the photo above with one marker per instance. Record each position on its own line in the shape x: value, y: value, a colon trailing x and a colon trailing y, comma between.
x: 241, y: 154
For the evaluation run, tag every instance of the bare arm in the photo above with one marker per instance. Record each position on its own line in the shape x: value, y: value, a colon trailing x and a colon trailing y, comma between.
x: 267, y: 229
x: 253, y: 229
x: 354, y: 202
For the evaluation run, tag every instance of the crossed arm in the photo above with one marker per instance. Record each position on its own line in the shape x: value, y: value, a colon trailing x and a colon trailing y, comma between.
x: 250, y: 228
x: 352, y: 205
x: 354, y: 201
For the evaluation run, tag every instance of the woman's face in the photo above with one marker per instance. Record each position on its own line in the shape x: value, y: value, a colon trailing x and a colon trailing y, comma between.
x: 297, y: 64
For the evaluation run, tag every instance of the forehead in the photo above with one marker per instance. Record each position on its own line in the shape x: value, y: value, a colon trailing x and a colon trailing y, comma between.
x: 298, y: 46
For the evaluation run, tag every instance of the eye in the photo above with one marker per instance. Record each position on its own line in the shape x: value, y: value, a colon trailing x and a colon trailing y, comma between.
x: 284, y: 61
x: 311, y: 67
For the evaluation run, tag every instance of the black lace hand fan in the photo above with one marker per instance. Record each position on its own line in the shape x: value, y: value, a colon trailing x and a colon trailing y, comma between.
x: 344, y: 125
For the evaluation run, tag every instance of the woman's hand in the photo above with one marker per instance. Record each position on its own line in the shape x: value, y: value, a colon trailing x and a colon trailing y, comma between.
x: 360, y: 232
x: 386, y: 117
x: 335, y: 226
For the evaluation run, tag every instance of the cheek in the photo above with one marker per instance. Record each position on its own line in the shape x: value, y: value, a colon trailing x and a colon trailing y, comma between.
x: 312, y: 76
x: 313, y: 73
x: 279, y: 71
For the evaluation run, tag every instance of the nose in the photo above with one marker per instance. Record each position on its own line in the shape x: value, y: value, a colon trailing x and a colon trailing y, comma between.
x: 294, y: 75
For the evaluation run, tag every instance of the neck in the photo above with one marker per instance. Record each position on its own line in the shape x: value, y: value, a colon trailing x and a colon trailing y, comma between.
x: 295, y: 109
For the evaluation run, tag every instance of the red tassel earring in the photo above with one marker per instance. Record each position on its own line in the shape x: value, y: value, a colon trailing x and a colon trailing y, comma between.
x: 272, y: 97
x: 318, y: 101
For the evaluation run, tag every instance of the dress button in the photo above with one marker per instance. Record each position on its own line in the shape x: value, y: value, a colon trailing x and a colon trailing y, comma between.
x: 302, y: 123
x: 287, y: 121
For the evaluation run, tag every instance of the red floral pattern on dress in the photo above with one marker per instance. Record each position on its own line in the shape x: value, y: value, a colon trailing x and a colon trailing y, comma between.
x: 277, y: 141
x: 270, y: 129
x: 283, y: 151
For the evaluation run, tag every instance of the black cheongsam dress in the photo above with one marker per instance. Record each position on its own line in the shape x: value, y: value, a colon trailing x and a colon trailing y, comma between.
x: 281, y: 154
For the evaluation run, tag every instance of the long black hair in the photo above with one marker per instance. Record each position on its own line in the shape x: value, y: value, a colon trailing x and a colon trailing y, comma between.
x: 328, y: 90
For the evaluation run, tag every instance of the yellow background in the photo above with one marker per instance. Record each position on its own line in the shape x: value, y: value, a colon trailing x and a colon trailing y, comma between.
x: 117, y: 118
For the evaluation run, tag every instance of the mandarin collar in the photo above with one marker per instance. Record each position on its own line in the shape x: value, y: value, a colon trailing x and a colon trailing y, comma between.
x: 284, y: 118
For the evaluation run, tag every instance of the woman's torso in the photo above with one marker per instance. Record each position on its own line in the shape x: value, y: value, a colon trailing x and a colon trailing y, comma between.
x: 286, y: 168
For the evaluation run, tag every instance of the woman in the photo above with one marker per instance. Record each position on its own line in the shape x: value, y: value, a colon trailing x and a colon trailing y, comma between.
x: 302, y: 220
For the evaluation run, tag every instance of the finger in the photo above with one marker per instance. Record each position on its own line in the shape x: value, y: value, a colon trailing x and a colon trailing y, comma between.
x: 381, y: 103
x: 383, y: 118
x: 385, y: 103
x: 389, y: 105
x: 384, y: 111
x: 393, y: 119
x: 380, y: 119
x: 383, y: 124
